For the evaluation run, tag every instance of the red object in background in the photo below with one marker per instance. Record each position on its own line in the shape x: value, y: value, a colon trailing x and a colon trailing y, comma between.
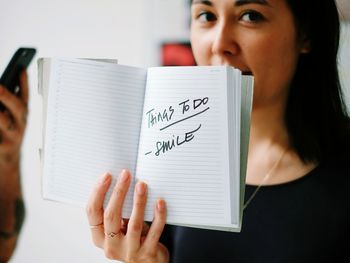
x: 177, y: 54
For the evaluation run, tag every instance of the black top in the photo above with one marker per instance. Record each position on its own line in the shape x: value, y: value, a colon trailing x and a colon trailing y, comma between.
x: 306, y: 220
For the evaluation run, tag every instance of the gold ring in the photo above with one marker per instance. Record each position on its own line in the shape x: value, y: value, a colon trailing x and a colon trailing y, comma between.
x: 96, y: 226
x: 111, y: 234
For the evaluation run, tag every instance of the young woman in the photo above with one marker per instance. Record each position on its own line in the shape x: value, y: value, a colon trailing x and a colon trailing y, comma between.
x: 297, y: 180
x: 12, y: 127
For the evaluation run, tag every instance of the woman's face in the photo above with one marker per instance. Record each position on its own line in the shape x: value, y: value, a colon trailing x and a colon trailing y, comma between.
x: 256, y: 36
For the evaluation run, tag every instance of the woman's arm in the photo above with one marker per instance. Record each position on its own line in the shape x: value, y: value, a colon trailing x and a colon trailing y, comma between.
x: 11, y: 209
x: 12, y: 127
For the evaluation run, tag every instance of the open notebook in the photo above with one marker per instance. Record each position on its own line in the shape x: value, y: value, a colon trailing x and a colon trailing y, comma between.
x: 182, y: 130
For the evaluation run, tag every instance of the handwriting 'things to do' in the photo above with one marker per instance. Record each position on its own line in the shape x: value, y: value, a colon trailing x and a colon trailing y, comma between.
x: 164, y: 118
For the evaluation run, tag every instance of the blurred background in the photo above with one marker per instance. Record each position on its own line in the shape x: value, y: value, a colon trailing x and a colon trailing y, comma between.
x: 136, y: 32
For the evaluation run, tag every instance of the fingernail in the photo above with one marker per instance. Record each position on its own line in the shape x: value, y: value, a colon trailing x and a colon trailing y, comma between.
x: 141, y: 188
x: 103, y: 178
x: 124, y: 176
x: 161, y: 205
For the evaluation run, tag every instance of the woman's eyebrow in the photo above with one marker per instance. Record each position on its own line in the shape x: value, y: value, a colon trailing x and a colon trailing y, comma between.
x: 236, y: 2
x: 203, y: 2
x: 245, y: 2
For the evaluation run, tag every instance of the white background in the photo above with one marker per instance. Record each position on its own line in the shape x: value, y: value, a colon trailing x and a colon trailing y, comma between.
x: 126, y: 30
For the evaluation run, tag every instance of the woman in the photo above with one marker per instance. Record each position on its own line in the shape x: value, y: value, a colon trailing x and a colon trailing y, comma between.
x: 12, y: 127
x: 299, y: 143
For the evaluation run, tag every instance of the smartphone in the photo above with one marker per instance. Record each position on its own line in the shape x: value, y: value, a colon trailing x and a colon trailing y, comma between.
x: 19, y: 61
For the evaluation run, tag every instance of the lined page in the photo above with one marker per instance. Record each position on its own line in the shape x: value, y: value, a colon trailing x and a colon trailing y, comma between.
x: 93, y: 123
x: 183, y: 150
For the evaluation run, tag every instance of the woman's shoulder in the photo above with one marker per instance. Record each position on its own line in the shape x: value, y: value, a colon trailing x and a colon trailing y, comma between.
x: 326, y: 185
x: 333, y: 175
x: 338, y: 168
x: 333, y: 181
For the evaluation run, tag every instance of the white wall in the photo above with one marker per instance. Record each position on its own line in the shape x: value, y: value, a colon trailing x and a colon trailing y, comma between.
x: 83, y: 28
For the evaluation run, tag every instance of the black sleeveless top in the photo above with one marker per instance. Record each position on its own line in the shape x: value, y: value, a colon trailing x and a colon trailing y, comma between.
x: 305, y: 220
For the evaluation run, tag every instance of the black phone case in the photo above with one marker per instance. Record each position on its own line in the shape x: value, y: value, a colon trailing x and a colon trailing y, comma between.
x: 19, y: 61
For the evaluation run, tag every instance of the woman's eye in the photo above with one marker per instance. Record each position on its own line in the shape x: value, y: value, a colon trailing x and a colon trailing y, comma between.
x: 206, y: 17
x: 252, y: 17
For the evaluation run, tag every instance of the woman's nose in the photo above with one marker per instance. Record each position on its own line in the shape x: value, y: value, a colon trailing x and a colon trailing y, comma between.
x: 225, y: 42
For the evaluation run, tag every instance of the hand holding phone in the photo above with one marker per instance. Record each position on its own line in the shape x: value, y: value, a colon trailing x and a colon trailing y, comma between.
x: 13, y: 115
x: 20, y: 61
x: 14, y: 103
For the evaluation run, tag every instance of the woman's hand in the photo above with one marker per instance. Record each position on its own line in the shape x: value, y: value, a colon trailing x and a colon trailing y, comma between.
x: 12, y: 124
x: 12, y: 127
x: 132, y: 240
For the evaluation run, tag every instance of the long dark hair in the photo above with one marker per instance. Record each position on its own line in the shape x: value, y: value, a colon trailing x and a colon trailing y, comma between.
x: 316, y: 115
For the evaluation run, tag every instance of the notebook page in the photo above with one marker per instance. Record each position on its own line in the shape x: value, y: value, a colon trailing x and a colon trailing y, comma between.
x: 183, y: 150
x: 44, y: 67
x: 93, y: 122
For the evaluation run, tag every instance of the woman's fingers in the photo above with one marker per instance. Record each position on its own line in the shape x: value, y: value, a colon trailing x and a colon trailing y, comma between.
x: 154, y: 233
x: 125, y: 239
x: 145, y: 229
x: 113, y: 212
x: 14, y: 105
x: 5, y: 121
x: 136, y: 222
x: 94, y: 209
x: 24, y: 87
x: 9, y: 131
x: 13, y: 119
